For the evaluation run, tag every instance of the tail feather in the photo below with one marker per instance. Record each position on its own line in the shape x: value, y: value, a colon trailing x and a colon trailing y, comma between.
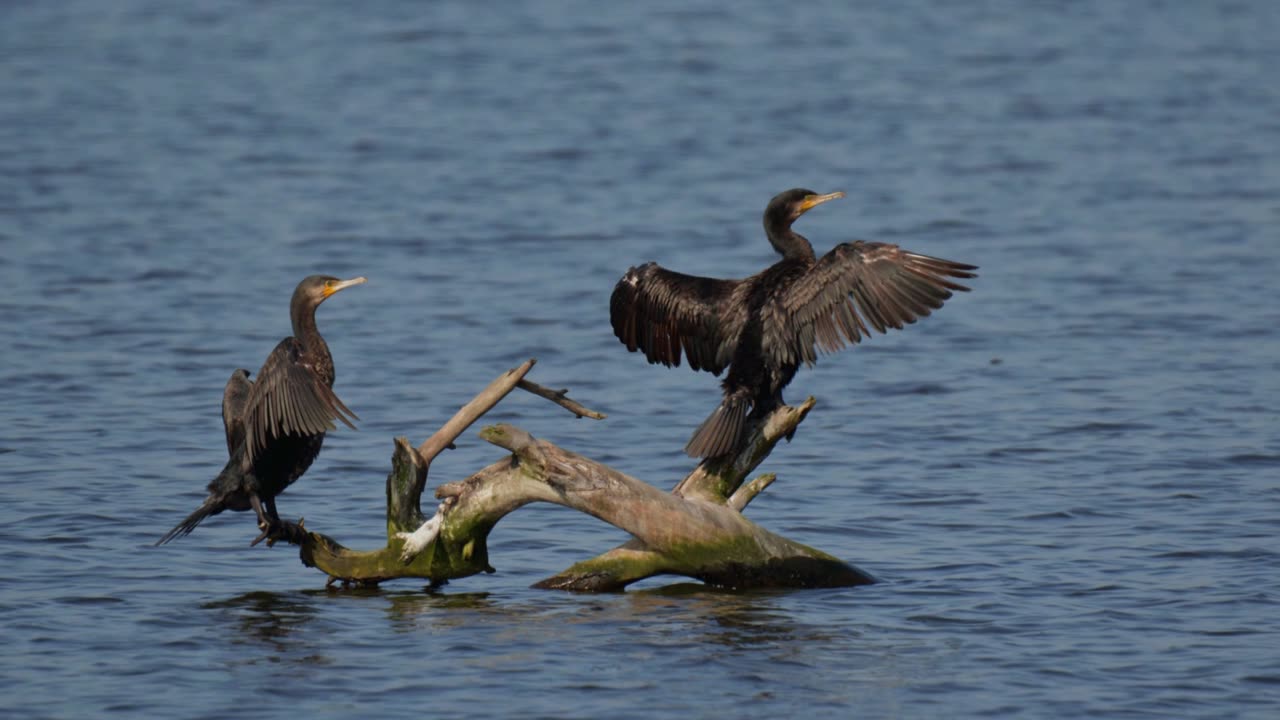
x: 719, y: 433
x: 211, y: 506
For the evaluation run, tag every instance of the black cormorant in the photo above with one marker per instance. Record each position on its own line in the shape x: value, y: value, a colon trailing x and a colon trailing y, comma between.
x: 761, y: 328
x: 276, y: 424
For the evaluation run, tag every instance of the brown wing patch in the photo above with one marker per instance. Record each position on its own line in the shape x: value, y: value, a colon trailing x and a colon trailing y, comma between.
x: 289, y: 398
x: 857, y: 285
x: 234, y: 399
x: 666, y: 314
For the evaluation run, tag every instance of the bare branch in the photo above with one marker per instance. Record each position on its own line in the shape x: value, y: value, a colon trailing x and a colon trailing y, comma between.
x: 508, y: 437
x: 561, y: 398
x: 472, y: 411
x: 748, y: 492
x: 519, y: 442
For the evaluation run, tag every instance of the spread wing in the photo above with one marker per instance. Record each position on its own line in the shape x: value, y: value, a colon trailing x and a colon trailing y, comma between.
x: 856, y: 285
x: 663, y: 313
x: 234, y: 398
x: 289, y: 398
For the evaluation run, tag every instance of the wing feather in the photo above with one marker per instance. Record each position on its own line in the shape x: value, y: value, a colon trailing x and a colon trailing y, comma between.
x: 664, y: 313
x: 856, y: 285
x: 289, y: 398
x: 234, y: 398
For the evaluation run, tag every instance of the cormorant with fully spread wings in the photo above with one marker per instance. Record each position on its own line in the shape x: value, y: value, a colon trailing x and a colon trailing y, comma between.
x: 763, y: 327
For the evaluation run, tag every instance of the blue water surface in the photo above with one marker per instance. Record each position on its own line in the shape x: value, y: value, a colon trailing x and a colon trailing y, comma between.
x: 1068, y: 480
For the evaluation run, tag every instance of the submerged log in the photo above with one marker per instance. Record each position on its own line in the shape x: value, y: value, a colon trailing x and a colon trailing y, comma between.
x: 697, y: 530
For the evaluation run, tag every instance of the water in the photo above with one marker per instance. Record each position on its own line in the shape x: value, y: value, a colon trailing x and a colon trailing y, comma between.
x: 1067, y: 479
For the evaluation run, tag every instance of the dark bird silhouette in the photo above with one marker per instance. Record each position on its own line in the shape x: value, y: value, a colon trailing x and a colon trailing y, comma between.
x: 275, y: 425
x: 763, y: 327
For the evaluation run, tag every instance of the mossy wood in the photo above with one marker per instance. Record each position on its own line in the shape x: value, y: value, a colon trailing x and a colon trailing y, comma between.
x: 697, y: 530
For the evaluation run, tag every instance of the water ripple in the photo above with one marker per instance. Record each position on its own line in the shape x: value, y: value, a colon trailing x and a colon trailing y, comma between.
x: 1064, y: 478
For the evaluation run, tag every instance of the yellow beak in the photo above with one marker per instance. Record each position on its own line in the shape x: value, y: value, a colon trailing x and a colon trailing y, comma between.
x: 344, y: 285
x: 813, y: 201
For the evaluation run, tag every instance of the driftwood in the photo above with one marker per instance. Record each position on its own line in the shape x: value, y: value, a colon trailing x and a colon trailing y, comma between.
x: 697, y: 530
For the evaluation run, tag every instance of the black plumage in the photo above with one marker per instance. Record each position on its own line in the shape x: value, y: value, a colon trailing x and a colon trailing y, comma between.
x: 275, y: 424
x: 763, y: 327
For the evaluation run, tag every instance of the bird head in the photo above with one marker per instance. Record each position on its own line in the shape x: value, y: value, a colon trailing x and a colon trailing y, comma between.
x: 786, y: 206
x: 318, y: 288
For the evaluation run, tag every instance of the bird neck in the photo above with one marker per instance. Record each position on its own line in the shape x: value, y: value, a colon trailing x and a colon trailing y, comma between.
x: 304, y: 327
x: 790, y: 244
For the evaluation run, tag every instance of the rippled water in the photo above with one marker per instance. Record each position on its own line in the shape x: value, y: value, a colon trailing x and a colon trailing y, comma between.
x: 1067, y: 479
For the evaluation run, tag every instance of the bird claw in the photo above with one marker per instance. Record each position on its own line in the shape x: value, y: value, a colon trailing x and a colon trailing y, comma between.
x: 290, y: 532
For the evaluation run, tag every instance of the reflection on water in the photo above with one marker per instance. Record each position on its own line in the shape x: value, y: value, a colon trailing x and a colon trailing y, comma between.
x: 408, y: 611
x: 274, y: 621
x: 733, y: 618
x: 692, y: 612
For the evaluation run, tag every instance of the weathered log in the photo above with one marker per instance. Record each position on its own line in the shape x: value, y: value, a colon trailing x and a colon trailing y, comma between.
x: 697, y: 530
x: 757, y: 561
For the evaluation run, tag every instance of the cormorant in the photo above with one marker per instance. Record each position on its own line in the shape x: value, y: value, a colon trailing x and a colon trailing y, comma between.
x: 762, y: 327
x: 276, y: 424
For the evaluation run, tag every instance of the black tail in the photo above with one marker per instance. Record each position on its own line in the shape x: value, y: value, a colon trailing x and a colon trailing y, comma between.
x: 210, y: 506
x: 718, y: 434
